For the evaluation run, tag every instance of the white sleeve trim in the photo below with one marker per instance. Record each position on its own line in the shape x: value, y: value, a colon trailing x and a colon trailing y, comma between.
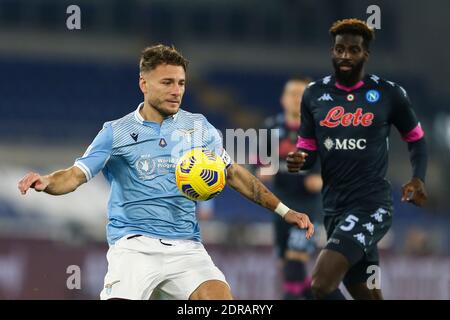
x: 85, y: 170
x: 226, y: 158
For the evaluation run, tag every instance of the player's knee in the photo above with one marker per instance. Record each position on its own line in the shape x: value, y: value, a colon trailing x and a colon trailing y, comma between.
x: 321, y: 287
x: 212, y: 290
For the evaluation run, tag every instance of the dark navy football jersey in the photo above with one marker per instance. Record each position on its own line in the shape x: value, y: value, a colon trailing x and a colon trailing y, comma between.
x: 291, y: 188
x: 349, y: 128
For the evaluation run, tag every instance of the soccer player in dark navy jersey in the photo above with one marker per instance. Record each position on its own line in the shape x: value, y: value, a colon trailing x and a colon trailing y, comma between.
x: 346, y: 120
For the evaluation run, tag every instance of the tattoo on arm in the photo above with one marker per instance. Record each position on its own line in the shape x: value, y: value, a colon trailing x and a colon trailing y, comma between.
x: 262, y: 195
x: 256, y: 187
x: 251, y: 187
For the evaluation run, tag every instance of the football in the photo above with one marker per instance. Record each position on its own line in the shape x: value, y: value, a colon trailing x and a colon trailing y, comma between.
x: 200, y: 174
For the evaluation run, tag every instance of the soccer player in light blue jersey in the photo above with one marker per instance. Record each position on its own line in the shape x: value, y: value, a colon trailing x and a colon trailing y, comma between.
x: 153, y: 233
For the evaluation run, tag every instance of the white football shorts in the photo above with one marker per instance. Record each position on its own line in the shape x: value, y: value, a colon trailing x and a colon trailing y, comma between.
x: 139, y: 268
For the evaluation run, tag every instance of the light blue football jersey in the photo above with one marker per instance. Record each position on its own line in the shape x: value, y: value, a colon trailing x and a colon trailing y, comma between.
x: 138, y: 159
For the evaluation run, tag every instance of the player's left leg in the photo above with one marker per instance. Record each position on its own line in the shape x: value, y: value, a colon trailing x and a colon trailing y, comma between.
x: 361, y: 282
x: 212, y: 290
x: 190, y: 273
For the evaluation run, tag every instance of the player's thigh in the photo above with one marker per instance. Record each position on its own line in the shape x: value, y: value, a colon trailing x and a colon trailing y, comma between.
x: 363, y: 280
x: 329, y: 270
x: 191, y: 273
x: 335, y: 259
x: 212, y: 290
x: 356, y: 233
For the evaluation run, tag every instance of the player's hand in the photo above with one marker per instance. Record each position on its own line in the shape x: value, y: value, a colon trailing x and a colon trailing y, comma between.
x: 295, y: 160
x: 33, y: 180
x: 414, y: 192
x: 301, y: 220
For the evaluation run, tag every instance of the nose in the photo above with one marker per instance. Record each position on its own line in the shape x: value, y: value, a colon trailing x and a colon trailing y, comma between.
x: 177, y: 90
x: 346, y: 54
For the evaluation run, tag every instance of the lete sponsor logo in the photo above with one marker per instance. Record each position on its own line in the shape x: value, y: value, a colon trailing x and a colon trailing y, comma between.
x: 337, y: 116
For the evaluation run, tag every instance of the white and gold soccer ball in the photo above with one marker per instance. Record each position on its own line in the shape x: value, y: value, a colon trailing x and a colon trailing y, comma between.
x: 200, y: 174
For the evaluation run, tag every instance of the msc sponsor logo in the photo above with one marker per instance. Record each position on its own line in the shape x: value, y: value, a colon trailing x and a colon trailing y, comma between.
x: 344, y: 144
x: 338, y: 117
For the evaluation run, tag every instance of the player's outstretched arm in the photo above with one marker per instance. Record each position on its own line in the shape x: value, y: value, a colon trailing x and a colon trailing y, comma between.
x: 57, y: 183
x: 253, y: 189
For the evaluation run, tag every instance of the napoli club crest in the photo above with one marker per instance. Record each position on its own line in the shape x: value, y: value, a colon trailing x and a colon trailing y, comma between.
x: 372, y: 96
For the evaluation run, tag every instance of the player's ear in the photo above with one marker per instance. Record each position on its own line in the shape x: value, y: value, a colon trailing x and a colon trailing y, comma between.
x: 366, y: 54
x: 142, y: 83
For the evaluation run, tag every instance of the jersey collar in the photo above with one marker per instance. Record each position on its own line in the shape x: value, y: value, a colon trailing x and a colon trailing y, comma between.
x: 358, y: 85
x: 141, y: 120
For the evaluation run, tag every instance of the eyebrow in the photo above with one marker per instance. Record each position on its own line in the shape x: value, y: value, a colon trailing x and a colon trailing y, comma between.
x: 171, y: 79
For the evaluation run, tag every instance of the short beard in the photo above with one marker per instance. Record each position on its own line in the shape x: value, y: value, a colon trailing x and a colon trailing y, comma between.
x: 155, y: 104
x: 348, y: 78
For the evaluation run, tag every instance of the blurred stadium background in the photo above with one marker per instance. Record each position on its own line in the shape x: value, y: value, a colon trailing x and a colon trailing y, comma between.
x: 57, y: 87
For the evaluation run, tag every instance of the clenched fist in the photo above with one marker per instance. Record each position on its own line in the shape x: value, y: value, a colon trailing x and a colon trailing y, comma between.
x: 295, y: 160
x: 414, y: 192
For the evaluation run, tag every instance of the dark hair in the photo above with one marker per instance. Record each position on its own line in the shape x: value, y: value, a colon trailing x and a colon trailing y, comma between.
x: 353, y: 26
x: 153, y: 56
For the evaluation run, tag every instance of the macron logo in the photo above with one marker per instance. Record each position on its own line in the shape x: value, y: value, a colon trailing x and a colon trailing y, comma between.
x: 325, y: 97
x: 134, y: 136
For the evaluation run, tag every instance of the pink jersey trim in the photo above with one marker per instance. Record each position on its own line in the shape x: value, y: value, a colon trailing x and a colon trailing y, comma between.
x: 414, y: 135
x: 308, y: 144
x: 348, y: 89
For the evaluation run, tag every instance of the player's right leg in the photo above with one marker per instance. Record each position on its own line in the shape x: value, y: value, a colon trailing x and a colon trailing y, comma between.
x: 329, y: 270
x: 134, y: 269
x: 340, y: 253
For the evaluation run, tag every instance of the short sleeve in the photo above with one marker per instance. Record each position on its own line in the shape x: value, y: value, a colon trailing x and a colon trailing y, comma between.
x: 214, y: 142
x: 97, y: 154
x: 307, y: 138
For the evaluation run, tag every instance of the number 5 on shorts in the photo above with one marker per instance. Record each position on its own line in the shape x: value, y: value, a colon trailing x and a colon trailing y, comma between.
x: 351, y: 219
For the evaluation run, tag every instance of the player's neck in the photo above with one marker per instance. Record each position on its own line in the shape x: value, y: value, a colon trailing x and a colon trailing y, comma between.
x: 350, y: 82
x: 149, y: 113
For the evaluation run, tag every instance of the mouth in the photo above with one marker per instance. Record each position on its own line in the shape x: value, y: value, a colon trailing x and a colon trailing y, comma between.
x: 173, y: 102
x: 345, y: 67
